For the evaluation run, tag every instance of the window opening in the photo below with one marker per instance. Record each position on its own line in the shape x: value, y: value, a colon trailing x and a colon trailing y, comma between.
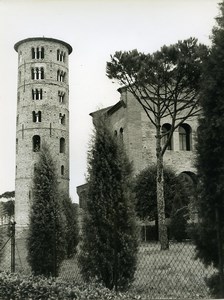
x: 37, y: 117
x: 62, y: 119
x: 60, y: 76
x: 61, y: 96
x: 185, y: 137
x: 62, y: 145
x: 62, y: 170
x: 36, y: 143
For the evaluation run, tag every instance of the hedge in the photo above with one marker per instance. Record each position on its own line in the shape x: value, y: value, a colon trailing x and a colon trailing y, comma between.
x: 20, y: 287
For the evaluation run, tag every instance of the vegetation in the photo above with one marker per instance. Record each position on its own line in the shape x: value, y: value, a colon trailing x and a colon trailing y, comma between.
x: 71, y: 225
x: 15, y: 286
x: 166, y: 84
x: 176, y: 199
x: 109, y: 246
x: 209, y: 237
x: 46, y: 237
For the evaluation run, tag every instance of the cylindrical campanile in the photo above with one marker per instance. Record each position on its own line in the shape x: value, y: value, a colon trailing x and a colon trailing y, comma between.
x: 42, y: 115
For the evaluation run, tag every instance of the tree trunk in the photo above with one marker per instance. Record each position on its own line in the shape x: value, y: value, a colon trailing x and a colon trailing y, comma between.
x: 163, y: 236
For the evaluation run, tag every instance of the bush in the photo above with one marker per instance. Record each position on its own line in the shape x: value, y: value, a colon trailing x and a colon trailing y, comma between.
x: 19, y: 287
x: 178, y: 225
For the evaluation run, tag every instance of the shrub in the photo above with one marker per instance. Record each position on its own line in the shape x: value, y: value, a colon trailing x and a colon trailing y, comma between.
x: 18, y: 287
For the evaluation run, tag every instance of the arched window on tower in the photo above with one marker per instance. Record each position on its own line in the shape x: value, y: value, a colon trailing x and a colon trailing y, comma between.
x: 121, y: 133
x: 37, y: 117
x: 62, y: 145
x: 165, y: 134
x: 36, y: 143
x: 62, y: 170
x: 185, y: 137
x: 62, y: 119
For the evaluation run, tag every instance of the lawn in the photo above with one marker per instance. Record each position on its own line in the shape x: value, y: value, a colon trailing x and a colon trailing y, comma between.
x: 170, y: 274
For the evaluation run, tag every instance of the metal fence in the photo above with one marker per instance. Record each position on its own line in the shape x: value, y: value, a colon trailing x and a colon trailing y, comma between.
x: 169, y: 274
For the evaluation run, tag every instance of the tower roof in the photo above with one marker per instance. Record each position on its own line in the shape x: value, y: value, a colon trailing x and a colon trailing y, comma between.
x: 69, y: 47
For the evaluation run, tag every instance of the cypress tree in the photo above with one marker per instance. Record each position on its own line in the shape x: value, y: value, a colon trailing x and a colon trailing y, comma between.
x: 209, y: 236
x: 109, y: 247
x: 46, y: 233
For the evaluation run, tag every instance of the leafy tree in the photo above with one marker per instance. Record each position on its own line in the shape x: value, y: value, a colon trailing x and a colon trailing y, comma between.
x: 109, y: 246
x: 166, y: 84
x: 209, y: 237
x: 71, y: 224
x: 46, y: 234
x: 174, y: 194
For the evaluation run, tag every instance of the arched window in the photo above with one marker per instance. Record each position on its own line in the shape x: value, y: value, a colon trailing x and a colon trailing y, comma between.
x: 62, y: 170
x: 36, y: 143
x: 62, y: 119
x: 62, y: 145
x: 165, y: 133
x: 37, y: 117
x: 185, y: 137
x: 121, y: 133
x: 16, y: 145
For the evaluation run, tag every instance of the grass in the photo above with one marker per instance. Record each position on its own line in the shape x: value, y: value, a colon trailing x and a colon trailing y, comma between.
x: 169, y: 274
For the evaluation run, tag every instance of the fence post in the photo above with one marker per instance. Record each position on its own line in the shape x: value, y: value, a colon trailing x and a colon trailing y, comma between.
x: 12, y: 227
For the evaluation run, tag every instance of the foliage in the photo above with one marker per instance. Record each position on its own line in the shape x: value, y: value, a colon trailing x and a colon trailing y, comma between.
x: 210, y: 149
x: 71, y: 224
x: 18, y: 287
x: 209, y: 236
x: 8, y: 195
x: 174, y: 193
x: 109, y: 246
x: 166, y: 84
x: 46, y: 235
x: 178, y: 224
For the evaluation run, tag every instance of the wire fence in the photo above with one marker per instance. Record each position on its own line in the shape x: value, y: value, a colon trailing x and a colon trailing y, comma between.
x: 168, y: 274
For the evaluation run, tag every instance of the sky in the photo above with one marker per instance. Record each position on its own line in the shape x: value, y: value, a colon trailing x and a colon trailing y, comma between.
x: 95, y: 29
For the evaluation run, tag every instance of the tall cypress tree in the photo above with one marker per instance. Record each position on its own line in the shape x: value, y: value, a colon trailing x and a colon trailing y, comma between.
x: 210, y: 156
x: 109, y: 246
x: 46, y: 234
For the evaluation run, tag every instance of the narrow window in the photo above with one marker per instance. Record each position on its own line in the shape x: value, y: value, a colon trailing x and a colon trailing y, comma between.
x: 20, y: 76
x: 18, y: 97
x: 62, y: 170
x: 62, y: 119
x: 16, y: 146
x: 36, y: 143
x: 17, y: 119
x: 36, y: 117
x: 121, y: 133
x: 185, y: 137
x: 42, y: 73
x: 58, y: 54
x: 61, y: 96
x: 165, y: 135
x: 42, y: 52
x: 33, y: 53
x: 62, y: 145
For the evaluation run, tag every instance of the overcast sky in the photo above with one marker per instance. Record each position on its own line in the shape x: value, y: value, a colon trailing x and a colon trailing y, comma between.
x: 95, y: 29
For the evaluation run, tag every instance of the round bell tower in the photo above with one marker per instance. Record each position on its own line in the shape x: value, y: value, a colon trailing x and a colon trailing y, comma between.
x: 42, y: 115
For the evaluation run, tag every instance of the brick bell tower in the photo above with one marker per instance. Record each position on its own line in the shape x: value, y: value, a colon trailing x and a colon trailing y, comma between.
x: 42, y: 115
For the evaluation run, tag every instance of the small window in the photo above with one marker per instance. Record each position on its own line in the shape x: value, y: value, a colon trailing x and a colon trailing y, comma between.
x: 37, y: 94
x: 37, y: 73
x: 18, y: 97
x: 60, y: 76
x: 121, y: 133
x: 62, y: 119
x: 16, y: 145
x: 37, y: 53
x: 60, y: 56
x: 61, y: 96
x: 62, y: 170
x: 62, y: 145
x: 36, y: 117
x: 36, y: 143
